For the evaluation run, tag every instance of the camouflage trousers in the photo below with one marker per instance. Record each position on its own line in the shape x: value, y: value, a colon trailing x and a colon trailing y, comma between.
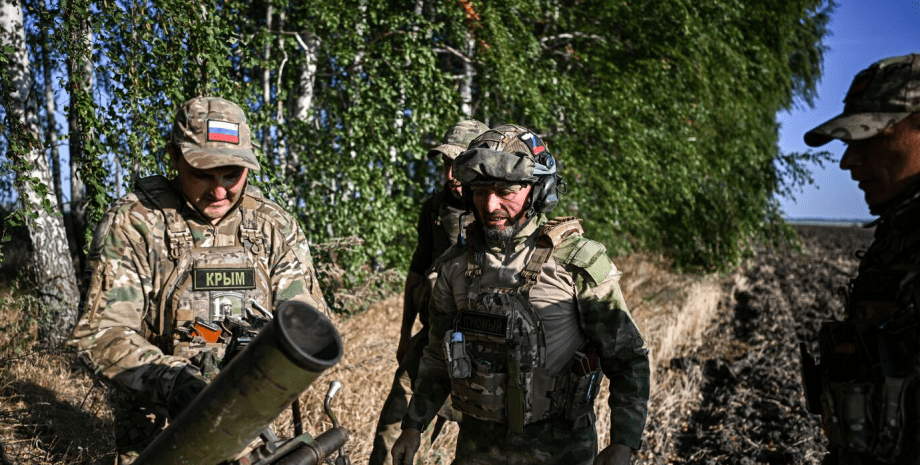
x: 397, y: 403
x: 553, y: 441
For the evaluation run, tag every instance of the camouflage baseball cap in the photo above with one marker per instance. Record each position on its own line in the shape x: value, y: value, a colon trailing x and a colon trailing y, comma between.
x: 458, y: 138
x: 880, y: 96
x: 506, y: 154
x: 212, y: 132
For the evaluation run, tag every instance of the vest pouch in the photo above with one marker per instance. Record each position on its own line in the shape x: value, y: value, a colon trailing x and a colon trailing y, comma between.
x: 580, y: 394
x: 892, y: 412
x: 458, y: 361
x: 583, y: 385
x: 850, y: 415
x: 482, y: 395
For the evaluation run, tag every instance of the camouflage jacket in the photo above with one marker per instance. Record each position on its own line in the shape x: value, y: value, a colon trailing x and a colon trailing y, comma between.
x: 887, y: 284
x: 438, y: 228
x: 577, y: 297
x: 129, y: 264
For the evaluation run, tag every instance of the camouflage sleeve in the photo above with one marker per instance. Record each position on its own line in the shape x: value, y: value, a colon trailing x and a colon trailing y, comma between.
x: 432, y: 386
x: 109, y: 337
x: 623, y: 352
x: 292, y: 274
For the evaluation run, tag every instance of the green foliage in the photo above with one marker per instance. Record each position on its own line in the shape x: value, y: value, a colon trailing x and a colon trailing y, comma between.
x: 662, y: 114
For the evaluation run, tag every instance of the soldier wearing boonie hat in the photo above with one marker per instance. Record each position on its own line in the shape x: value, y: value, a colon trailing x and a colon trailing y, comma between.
x: 865, y: 387
x: 440, y: 224
x: 178, y: 255
x: 523, y: 316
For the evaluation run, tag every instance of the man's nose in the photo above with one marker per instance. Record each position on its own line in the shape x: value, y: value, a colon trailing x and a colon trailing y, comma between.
x: 493, y: 202
x: 220, y: 188
x: 849, y: 159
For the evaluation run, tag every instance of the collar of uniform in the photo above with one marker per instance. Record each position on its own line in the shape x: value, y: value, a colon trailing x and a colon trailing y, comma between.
x: 520, y: 240
x: 198, y: 216
x: 901, y: 213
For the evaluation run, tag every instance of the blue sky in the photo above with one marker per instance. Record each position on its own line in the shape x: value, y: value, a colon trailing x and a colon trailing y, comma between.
x: 864, y: 31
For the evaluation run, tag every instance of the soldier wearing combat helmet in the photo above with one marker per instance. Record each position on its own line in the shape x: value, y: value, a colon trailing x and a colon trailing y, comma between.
x: 526, y: 317
x: 176, y: 263
x: 866, y: 387
x: 440, y: 224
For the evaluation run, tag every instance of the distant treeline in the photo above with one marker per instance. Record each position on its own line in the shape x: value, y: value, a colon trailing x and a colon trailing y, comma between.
x: 661, y: 113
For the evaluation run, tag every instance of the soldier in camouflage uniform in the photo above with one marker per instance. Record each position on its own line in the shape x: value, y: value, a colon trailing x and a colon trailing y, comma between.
x: 525, y: 318
x: 866, y: 386
x: 439, y: 226
x: 177, y: 258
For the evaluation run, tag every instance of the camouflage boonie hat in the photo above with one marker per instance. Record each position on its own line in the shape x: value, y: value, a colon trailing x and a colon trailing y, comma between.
x: 880, y: 96
x: 458, y: 138
x: 506, y: 154
x: 212, y: 132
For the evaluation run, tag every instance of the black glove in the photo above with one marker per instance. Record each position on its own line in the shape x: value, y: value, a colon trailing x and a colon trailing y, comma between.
x: 186, y: 387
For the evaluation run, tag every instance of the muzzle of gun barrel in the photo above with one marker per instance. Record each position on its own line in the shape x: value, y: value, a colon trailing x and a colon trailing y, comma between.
x: 249, y: 393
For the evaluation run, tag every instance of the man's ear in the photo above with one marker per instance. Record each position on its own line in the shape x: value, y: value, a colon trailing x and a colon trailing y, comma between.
x: 174, y: 155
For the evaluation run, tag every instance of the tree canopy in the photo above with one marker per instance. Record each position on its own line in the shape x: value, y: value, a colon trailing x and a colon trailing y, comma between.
x: 661, y: 113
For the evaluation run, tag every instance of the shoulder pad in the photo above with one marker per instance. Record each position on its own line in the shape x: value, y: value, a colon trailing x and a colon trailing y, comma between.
x: 158, y: 190
x: 558, y: 229
x: 585, y: 254
x: 253, y: 191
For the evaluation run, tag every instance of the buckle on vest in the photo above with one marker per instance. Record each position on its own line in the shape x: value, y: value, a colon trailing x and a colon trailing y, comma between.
x: 177, y: 241
x: 254, y: 239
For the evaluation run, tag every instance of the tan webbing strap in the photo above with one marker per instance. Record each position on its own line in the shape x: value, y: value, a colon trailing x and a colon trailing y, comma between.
x: 178, y: 233
x: 475, y: 253
x: 249, y: 231
x: 531, y: 272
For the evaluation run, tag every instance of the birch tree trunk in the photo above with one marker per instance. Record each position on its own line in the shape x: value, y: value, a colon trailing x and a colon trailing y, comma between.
x: 302, y: 103
x: 466, y: 81
x: 51, y: 136
x: 52, y: 265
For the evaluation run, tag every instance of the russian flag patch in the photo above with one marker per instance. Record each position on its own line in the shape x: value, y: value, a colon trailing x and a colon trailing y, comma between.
x: 223, y: 131
x: 531, y: 139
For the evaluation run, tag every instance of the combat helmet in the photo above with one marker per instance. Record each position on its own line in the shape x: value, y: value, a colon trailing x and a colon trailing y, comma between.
x: 511, y: 154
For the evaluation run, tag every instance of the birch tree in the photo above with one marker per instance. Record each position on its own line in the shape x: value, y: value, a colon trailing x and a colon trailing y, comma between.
x: 51, y: 262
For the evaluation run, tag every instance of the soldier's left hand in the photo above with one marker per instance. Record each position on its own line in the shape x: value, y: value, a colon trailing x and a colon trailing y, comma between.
x: 614, y: 454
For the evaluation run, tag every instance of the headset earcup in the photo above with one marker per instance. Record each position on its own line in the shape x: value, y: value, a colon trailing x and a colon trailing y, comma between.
x: 543, y: 196
x: 550, y: 197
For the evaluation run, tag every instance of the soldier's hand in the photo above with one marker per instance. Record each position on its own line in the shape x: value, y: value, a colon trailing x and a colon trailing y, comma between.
x: 614, y: 454
x: 185, y: 388
x: 406, y: 446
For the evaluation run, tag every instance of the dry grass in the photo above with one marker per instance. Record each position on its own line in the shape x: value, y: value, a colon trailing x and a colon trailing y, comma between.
x: 50, y: 411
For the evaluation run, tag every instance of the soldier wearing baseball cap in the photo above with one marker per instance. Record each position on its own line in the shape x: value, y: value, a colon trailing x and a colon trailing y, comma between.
x: 865, y: 386
x: 440, y: 224
x: 178, y: 262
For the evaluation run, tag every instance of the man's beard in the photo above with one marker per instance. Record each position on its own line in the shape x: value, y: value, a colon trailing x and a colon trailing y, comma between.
x: 504, y: 235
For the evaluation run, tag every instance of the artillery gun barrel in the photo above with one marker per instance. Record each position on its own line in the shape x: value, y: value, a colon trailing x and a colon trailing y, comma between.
x: 258, y: 384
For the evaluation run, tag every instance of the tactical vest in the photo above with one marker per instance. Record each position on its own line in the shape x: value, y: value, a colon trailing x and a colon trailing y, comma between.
x: 207, y: 283
x: 503, y: 375
x: 869, y: 391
